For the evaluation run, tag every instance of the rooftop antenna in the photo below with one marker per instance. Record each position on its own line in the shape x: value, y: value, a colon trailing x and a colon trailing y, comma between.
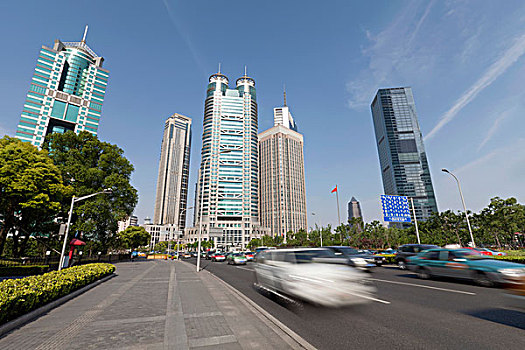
x: 219, y: 67
x: 245, y: 71
x: 284, y: 87
x: 85, y: 34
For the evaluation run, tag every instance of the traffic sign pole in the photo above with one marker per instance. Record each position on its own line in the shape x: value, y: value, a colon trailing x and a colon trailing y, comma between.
x: 415, y: 220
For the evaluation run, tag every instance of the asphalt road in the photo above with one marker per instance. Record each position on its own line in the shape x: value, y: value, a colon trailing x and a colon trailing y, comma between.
x: 411, y: 313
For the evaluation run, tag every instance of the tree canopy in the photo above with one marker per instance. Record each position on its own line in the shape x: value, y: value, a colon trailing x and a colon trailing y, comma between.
x: 31, y: 192
x: 89, y: 165
x: 134, y: 237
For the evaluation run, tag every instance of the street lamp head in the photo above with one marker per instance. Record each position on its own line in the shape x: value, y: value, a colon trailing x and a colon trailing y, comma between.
x: 108, y: 191
x: 445, y: 170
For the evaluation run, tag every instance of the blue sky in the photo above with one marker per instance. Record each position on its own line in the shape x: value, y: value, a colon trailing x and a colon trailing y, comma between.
x: 463, y: 59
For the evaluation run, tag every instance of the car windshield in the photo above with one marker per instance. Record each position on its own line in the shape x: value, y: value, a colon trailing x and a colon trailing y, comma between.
x: 349, y: 251
x: 238, y: 254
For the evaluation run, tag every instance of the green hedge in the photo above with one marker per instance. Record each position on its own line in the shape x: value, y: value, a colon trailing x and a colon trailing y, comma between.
x: 29, y: 270
x: 19, y: 296
x: 513, y: 258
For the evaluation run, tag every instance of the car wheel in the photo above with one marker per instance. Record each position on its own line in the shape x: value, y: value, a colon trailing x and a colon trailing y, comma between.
x: 379, y: 264
x: 481, y: 279
x: 401, y: 264
x: 423, y: 273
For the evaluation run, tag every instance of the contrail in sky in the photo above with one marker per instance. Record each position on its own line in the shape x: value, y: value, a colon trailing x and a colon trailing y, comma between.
x: 495, y: 70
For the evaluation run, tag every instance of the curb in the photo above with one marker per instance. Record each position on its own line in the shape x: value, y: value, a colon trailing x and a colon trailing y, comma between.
x: 264, y: 315
x: 21, y: 320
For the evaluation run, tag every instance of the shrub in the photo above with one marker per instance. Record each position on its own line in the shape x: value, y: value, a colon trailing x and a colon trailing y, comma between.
x: 512, y: 258
x: 23, y: 270
x: 19, y: 296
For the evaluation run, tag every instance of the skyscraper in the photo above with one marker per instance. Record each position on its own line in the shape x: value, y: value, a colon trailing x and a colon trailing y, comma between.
x: 282, y: 181
x: 66, y: 93
x: 402, y: 156
x: 354, y: 209
x: 174, y: 167
x: 228, y: 176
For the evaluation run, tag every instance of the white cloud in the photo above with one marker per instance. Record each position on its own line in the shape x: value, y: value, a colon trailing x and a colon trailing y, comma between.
x: 499, y: 67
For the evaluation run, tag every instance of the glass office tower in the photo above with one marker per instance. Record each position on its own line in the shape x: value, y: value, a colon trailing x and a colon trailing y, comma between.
x: 402, y: 156
x: 228, y: 177
x: 66, y: 93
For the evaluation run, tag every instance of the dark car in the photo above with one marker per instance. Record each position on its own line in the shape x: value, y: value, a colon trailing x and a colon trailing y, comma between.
x: 356, y: 258
x: 409, y: 250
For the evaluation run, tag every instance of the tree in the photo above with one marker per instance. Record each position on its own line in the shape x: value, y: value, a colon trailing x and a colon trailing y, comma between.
x: 89, y: 166
x: 31, y: 191
x: 134, y: 237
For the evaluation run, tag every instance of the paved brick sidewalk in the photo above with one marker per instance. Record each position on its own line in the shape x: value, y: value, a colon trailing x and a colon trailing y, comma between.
x: 153, y: 305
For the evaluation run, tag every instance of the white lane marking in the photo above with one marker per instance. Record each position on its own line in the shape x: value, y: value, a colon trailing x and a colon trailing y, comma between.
x: 369, y: 298
x: 423, y: 286
x: 244, y: 268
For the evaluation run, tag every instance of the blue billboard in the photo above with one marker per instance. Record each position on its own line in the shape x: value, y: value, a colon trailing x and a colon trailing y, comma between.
x: 395, y: 208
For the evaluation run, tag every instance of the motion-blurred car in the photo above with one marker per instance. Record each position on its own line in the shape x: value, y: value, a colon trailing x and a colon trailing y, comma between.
x: 408, y: 250
x: 249, y: 256
x: 361, y: 260
x: 310, y: 274
x: 466, y: 264
x: 218, y: 256
x: 236, y: 258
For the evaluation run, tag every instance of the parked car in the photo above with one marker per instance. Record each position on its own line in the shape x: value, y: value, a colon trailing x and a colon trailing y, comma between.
x: 218, y: 256
x: 408, y: 250
x: 186, y: 255
x: 360, y: 260
x: 236, y: 258
x: 493, y: 252
x: 466, y: 264
x: 310, y: 274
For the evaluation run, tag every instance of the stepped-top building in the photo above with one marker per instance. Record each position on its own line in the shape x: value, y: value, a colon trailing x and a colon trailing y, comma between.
x: 281, y: 177
x: 66, y: 93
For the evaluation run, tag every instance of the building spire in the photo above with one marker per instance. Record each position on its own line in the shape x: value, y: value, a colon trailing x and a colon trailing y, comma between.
x: 245, y: 70
x: 85, y: 34
x: 284, y: 88
x: 219, y: 67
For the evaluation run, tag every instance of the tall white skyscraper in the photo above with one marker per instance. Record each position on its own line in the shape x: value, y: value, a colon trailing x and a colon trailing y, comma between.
x: 174, y: 165
x: 282, y: 180
x: 228, y: 176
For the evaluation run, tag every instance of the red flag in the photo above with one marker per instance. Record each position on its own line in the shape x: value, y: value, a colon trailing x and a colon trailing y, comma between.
x: 334, y: 190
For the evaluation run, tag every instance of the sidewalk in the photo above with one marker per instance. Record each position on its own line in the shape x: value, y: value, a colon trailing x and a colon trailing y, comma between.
x: 154, y: 305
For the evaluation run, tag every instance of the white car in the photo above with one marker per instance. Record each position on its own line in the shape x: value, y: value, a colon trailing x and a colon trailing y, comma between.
x: 313, y: 275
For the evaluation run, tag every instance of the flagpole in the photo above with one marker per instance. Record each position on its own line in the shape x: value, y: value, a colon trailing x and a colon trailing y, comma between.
x: 337, y: 199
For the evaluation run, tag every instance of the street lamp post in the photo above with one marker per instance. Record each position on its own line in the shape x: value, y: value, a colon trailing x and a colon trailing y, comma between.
x: 73, y: 201
x: 320, y: 233
x: 203, y: 175
x: 178, y: 237
x: 464, y: 206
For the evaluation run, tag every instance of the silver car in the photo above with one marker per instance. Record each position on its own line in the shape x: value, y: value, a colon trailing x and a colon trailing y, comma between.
x: 313, y: 275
